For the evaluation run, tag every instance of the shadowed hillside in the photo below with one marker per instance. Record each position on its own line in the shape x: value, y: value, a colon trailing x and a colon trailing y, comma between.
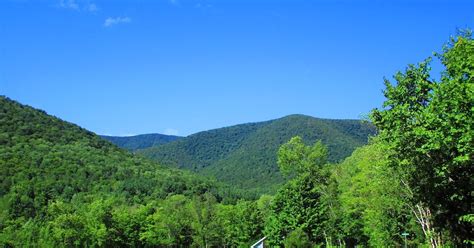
x: 133, y: 143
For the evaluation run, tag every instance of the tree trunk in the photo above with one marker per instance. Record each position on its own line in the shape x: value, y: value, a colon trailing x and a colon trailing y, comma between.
x: 423, y: 216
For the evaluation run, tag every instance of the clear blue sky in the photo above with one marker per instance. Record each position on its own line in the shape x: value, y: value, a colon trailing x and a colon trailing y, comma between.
x: 131, y: 67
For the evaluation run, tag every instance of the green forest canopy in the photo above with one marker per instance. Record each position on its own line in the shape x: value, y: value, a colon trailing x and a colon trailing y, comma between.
x: 64, y: 186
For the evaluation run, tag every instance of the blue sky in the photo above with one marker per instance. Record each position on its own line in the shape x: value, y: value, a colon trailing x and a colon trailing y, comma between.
x: 179, y: 67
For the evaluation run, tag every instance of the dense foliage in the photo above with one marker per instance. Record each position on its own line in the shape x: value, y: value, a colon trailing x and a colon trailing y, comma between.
x: 370, y: 206
x: 357, y: 202
x: 413, y: 183
x: 430, y: 128
x: 142, y: 141
x: 244, y: 155
x: 64, y: 186
x: 298, y: 205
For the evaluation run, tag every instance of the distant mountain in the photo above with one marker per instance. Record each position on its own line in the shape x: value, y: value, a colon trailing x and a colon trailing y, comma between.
x: 245, y: 155
x: 133, y: 143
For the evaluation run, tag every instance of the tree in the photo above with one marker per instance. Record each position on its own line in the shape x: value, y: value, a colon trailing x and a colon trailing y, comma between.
x: 66, y: 227
x: 374, y: 205
x: 297, y: 239
x: 429, y: 127
x: 170, y: 224
x: 205, y: 224
x: 241, y: 223
x: 297, y: 204
x: 128, y: 222
x: 295, y: 157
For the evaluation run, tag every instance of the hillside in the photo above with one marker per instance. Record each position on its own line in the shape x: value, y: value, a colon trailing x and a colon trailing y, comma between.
x: 245, y: 155
x: 52, y: 172
x: 133, y: 143
x: 46, y: 154
x: 64, y: 186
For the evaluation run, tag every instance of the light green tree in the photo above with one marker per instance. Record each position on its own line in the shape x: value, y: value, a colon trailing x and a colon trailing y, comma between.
x: 429, y: 126
x: 298, y: 205
x: 374, y: 205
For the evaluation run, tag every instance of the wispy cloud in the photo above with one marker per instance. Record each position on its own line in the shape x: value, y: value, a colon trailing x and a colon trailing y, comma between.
x: 174, y: 2
x: 69, y: 4
x: 171, y: 131
x: 116, y: 20
x: 78, y: 6
x: 203, y: 6
x: 91, y: 7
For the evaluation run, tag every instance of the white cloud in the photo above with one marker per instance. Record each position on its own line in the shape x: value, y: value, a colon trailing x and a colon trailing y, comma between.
x: 117, y: 20
x: 171, y: 131
x: 127, y: 134
x: 69, y: 4
x: 174, y: 2
x: 118, y: 135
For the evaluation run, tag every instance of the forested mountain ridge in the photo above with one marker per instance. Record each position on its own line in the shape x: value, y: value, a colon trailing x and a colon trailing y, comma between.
x: 197, y: 151
x: 245, y: 155
x: 61, y: 185
x: 142, y: 141
x: 35, y: 145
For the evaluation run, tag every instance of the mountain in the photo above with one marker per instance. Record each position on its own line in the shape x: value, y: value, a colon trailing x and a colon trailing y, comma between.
x: 44, y: 159
x: 64, y: 186
x: 133, y: 143
x: 245, y: 155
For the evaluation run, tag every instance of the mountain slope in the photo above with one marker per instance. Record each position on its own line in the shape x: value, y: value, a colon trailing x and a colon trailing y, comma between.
x: 133, y: 143
x: 44, y: 159
x: 202, y: 149
x: 245, y: 155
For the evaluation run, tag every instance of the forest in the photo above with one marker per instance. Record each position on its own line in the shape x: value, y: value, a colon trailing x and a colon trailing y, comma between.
x: 412, y: 184
x: 245, y: 155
